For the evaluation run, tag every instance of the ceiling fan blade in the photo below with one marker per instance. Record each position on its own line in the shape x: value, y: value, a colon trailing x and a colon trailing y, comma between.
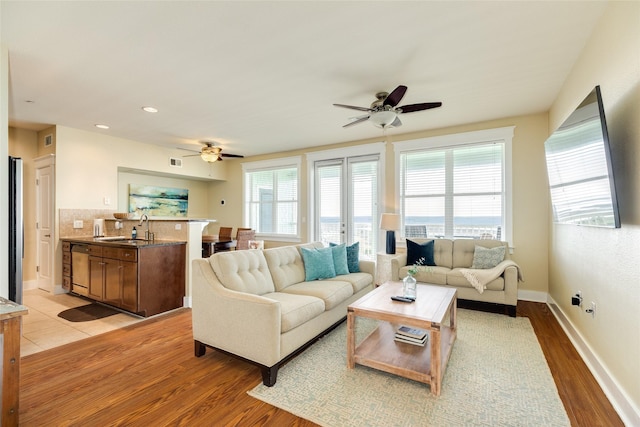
x: 353, y: 107
x: 419, y: 107
x: 396, y: 96
x: 231, y: 155
x: 192, y: 155
x: 355, y: 122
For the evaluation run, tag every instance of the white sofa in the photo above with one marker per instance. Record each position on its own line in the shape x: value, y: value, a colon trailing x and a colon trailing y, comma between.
x: 256, y: 305
x: 454, y: 259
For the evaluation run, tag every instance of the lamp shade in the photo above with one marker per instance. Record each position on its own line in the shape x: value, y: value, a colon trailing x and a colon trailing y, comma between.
x: 390, y: 222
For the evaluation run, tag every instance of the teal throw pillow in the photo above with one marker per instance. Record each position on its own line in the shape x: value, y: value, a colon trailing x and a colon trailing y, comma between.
x: 340, y: 259
x: 353, y: 257
x: 318, y: 263
x: 488, y: 258
x: 418, y: 251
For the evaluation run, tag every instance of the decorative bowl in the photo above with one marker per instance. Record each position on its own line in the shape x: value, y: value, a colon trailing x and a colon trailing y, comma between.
x: 122, y: 215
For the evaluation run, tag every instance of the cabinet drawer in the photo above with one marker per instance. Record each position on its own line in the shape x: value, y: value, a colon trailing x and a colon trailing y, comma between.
x: 66, y: 246
x: 95, y: 250
x: 66, y: 257
x: 66, y: 283
x: 120, y: 253
x: 66, y: 269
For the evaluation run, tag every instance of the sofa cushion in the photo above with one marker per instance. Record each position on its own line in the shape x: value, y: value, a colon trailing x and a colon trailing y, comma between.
x: 358, y: 281
x: 455, y: 278
x: 318, y: 263
x: 421, y: 253
x: 243, y: 271
x: 487, y: 257
x: 286, y: 266
x: 464, y: 249
x: 332, y: 292
x: 340, y: 259
x: 296, y: 309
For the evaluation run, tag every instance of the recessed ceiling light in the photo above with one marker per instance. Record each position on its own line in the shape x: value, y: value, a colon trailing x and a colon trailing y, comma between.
x: 99, y: 126
x: 150, y: 109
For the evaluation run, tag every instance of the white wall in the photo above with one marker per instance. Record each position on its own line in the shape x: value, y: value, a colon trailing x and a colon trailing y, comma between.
x: 602, y: 263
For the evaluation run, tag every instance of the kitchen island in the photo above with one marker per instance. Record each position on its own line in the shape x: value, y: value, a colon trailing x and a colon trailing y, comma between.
x: 144, y: 277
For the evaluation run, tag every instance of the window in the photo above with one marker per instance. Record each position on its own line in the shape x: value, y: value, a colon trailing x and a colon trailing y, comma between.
x: 271, y: 197
x: 457, y: 186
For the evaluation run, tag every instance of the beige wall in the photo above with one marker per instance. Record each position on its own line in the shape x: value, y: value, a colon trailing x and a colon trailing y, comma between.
x: 530, y: 193
x: 602, y: 263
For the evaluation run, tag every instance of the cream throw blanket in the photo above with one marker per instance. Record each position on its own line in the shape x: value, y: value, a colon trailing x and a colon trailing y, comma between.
x: 480, y: 277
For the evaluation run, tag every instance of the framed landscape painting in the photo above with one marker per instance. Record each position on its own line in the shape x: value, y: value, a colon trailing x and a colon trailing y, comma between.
x: 158, y: 201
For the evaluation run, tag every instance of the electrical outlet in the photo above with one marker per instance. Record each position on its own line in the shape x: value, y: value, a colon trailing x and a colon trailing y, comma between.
x: 178, y: 226
x: 77, y: 223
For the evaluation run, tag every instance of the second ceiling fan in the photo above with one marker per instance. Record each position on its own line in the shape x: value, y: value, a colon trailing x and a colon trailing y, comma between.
x: 384, y: 112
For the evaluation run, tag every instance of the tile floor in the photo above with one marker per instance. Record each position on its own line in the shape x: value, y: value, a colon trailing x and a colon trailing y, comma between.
x: 42, y: 329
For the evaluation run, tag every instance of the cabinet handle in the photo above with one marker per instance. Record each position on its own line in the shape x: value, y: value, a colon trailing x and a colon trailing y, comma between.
x: 47, y: 235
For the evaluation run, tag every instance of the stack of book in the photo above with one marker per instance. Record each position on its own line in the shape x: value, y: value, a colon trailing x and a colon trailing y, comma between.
x: 411, y: 335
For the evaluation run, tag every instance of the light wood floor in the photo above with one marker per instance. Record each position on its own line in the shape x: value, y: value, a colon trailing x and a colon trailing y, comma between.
x: 147, y: 375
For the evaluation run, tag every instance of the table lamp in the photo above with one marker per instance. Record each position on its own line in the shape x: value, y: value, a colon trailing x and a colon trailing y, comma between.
x: 391, y: 223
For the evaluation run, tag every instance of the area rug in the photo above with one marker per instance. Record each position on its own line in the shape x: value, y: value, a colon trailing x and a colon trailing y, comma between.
x: 497, y: 376
x: 86, y: 313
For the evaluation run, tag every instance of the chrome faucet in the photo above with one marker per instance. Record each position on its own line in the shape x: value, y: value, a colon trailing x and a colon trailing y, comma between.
x: 144, y: 218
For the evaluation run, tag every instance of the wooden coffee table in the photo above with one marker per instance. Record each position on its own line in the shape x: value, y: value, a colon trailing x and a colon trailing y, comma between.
x: 379, y: 350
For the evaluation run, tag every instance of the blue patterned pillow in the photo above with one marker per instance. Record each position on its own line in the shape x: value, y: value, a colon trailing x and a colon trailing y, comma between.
x: 340, y: 259
x: 488, y: 258
x: 353, y: 257
x: 318, y: 263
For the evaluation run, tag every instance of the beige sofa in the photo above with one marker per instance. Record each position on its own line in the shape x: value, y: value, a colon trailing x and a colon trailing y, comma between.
x: 453, y: 259
x: 256, y: 305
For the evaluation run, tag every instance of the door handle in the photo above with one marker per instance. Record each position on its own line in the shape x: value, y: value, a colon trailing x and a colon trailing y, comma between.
x: 47, y: 235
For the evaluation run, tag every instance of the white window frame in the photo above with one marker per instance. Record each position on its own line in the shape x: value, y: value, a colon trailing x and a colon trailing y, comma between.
x: 274, y: 164
x: 378, y: 148
x: 503, y: 134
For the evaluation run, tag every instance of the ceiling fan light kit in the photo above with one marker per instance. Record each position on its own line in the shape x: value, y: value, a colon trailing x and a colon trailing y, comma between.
x: 383, y: 112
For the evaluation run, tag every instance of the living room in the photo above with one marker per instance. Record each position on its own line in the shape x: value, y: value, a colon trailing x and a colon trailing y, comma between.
x: 557, y: 260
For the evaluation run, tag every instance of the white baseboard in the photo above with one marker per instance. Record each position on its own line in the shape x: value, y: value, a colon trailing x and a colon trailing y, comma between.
x: 534, y: 296
x: 28, y: 285
x: 186, y: 302
x: 625, y: 408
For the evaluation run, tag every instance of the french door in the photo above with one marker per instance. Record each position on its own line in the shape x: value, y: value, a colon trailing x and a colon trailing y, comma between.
x: 346, y: 202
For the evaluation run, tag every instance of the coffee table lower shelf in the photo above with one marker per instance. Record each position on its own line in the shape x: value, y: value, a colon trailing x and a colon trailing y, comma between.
x: 380, y: 351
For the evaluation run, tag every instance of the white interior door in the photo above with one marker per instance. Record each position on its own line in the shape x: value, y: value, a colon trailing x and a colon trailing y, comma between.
x: 45, y: 250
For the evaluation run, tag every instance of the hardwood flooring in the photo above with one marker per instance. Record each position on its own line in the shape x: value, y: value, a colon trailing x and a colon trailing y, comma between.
x: 147, y: 375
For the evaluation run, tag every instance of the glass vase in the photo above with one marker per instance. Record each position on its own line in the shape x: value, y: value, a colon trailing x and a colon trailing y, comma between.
x: 409, y: 287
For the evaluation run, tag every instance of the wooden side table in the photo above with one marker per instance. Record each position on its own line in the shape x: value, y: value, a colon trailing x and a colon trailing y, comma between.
x: 11, y: 321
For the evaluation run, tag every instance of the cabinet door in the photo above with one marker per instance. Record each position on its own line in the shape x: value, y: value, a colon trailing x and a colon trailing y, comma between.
x: 112, y: 287
x: 96, y: 278
x: 129, y: 282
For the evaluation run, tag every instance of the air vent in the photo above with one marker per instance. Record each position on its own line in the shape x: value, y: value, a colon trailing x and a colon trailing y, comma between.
x: 176, y: 163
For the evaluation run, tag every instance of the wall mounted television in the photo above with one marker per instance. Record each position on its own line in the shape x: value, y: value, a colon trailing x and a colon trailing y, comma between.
x: 579, y: 167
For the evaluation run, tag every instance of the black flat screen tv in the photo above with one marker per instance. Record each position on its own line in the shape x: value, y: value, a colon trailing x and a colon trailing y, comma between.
x: 579, y: 167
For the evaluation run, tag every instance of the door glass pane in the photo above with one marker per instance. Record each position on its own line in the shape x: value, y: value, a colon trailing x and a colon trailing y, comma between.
x: 329, y: 196
x: 363, y: 206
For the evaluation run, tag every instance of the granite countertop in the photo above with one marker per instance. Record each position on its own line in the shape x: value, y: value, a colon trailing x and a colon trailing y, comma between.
x: 9, y: 309
x: 122, y: 241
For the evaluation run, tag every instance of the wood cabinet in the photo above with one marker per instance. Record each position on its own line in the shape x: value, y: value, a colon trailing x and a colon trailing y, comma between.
x: 66, y: 266
x: 144, y: 280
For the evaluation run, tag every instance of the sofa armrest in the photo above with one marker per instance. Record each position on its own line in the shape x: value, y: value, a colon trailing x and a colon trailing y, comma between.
x: 510, y: 275
x: 397, y: 262
x: 368, y: 267
x: 241, y: 323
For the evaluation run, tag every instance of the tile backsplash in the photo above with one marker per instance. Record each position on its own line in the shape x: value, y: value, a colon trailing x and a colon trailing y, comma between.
x: 162, y: 228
